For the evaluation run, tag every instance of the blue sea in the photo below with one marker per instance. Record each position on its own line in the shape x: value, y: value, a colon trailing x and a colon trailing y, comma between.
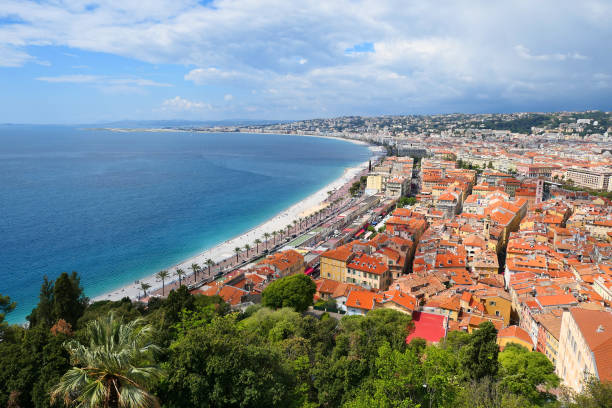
x: 118, y: 206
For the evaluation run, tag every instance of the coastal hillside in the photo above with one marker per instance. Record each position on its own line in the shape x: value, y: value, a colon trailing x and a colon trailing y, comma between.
x: 194, y: 351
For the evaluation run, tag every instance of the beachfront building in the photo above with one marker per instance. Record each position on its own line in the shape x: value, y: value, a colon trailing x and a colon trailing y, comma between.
x: 285, y: 263
x: 585, y: 347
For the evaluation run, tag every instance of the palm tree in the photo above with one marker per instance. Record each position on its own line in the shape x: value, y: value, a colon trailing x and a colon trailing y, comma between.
x: 209, y: 263
x: 180, y: 273
x: 274, y: 233
x: 237, y: 251
x: 114, y: 368
x: 162, y: 276
x: 266, y: 238
x: 247, y: 247
x: 195, y: 268
x: 288, y: 228
x: 145, y: 287
x: 257, y: 242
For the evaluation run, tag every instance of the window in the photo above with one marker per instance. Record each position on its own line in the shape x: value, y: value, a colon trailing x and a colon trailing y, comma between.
x: 492, y: 303
x: 497, y: 313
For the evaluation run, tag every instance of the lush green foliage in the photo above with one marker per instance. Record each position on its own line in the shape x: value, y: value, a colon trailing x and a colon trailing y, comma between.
x: 6, y: 306
x: 62, y: 299
x: 115, y: 367
x: 279, y: 357
x: 294, y: 291
x: 404, y: 201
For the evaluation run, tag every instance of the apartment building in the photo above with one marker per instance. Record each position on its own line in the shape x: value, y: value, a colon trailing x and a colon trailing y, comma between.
x: 595, y: 178
x: 585, y: 347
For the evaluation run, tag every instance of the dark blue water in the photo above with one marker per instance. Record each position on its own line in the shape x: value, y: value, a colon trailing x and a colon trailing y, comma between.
x: 116, y: 207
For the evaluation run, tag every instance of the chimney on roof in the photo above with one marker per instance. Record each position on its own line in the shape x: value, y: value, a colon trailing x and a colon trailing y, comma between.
x: 600, y: 328
x: 358, y: 302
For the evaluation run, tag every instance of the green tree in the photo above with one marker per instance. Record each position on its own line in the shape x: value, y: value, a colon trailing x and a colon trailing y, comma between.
x: 595, y: 394
x: 195, y: 268
x: 398, y: 381
x: 404, y: 201
x: 162, y: 276
x: 210, y: 263
x: 237, y: 251
x: 220, y: 365
x: 266, y: 238
x: 144, y: 286
x: 522, y: 372
x: 115, y: 368
x: 257, y: 242
x: 177, y: 301
x: 6, y: 306
x: 294, y: 291
x: 479, y: 356
x: 180, y: 274
x: 247, y: 247
x: 31, y: 360
x: 42, y: 314
x: 69, y: 302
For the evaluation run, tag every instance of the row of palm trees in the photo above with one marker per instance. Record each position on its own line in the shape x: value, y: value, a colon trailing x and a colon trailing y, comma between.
x: 179, y: 273
x: 195, y: 268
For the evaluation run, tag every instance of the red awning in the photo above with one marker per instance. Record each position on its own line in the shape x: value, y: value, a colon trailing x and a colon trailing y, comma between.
x: 359, y: 233
x: 308, y: 271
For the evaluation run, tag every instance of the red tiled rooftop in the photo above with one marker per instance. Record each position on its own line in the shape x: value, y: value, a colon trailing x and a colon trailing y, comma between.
x: 427, y: 326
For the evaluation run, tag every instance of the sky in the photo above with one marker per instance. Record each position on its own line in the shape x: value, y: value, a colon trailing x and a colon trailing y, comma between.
x: 75, y: 61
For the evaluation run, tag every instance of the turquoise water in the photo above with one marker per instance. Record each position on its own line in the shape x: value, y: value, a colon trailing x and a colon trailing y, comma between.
x: 116, y: 207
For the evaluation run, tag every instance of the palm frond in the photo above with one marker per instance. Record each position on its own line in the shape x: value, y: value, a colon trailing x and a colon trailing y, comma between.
x: 117, y: 363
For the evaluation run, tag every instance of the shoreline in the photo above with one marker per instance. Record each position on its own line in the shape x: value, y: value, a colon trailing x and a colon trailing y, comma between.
x: 246, y: 131
x: 225, y: 249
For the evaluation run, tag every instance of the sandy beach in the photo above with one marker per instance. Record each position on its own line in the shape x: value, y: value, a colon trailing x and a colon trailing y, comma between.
x: 225, y: 249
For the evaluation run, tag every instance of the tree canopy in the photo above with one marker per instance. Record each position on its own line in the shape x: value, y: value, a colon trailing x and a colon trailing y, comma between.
x: 215, y: 357
x: 294, y: 291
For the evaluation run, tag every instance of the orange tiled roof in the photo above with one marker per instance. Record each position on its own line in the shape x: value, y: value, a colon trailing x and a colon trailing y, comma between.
x: 361, y: 299
x: 554, y: 300
x: 367, y: 263
x: 514, y: 332
x: 342, y: 253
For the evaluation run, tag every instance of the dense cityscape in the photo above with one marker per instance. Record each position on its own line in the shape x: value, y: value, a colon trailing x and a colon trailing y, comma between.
x: 485, y: 231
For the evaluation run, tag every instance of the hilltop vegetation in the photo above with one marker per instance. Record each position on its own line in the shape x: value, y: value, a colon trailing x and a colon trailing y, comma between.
x: 210, y: 356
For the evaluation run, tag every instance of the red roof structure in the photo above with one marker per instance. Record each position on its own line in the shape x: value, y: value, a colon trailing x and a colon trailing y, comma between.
x: 427, y: 326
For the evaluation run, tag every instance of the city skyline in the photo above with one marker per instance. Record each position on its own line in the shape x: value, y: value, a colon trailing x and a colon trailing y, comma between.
x: 85, y: 62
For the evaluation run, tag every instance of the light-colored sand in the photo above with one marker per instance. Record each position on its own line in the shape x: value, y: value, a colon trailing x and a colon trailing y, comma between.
x: 226, y: 249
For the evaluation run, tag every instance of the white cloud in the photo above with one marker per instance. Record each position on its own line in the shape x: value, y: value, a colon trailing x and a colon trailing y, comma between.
x: 420, y: 61
x: 102, y: 80
x: 72, y: 79
x: 12, y: 57
x: 524, y: 52
x: 228, y: 97
x: 203, y: 76
x: 184, y: 105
